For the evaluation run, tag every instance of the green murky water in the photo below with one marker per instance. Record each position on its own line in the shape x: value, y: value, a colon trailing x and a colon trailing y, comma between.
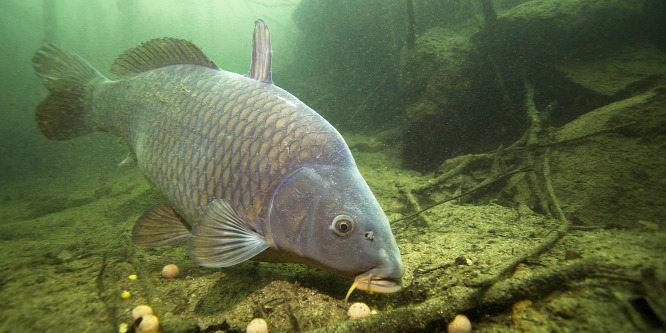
x: 552, y: 112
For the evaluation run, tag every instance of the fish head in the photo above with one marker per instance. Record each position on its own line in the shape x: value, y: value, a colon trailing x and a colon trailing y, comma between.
x: 327, y: 217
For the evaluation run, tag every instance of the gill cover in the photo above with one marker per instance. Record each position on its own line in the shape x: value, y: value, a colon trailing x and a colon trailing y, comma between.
x: 321, y: 214
x: 292, y: 206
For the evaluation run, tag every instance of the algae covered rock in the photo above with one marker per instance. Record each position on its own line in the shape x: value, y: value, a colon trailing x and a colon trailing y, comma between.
x: 455, y: 102
x: 465, y: 93
x: 436, y: 73
x: 619, y: 179
x: 537, y: 31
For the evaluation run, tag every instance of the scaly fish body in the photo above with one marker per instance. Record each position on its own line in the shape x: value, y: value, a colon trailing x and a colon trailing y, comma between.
x: 249, y: 171
x: 200, y: 134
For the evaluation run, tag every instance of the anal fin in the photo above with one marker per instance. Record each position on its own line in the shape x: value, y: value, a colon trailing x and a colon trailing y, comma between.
x: 221, y: 239
x: 159, y: 226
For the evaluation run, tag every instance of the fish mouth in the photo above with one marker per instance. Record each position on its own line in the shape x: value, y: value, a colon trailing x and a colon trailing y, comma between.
x: 375, y: 283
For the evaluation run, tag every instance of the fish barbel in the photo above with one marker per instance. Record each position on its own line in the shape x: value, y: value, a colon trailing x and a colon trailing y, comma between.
x: 249, y: 171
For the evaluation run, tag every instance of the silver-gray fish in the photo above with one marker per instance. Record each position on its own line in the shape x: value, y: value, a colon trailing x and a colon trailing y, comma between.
x: 249, y: 171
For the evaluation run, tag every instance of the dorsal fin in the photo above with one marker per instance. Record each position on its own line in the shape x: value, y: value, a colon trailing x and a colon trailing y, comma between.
x: 260, y: 69
x: 158, y: 53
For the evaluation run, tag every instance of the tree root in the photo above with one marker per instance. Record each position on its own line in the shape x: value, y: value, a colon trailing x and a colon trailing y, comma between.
x: 471, y: 161
x: 438, y: 311
x: 538, y: 284
x: 459, y: 169
x: 414, y: 205
x: 502, y: 289
x: 103, y: 295
x: 413, y: 202
x: 550, y: 239
x: 522, y: 152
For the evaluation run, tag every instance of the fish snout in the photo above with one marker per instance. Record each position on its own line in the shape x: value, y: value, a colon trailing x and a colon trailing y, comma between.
x: 385, y: 279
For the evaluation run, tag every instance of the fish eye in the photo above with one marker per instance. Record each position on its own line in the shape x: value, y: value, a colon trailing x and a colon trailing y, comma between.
x: 342, y: 225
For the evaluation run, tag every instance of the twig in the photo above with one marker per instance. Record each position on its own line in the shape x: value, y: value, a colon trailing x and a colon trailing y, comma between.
x: 550, y: 239
x: 103, y: 295
x: 486, y: 182
x: 414, y: 206
x: 519, y: 145
x: 552, y: 198
x: 437, y: 311
x: 532, y: 137
x: 537, y: 284
x: 468, y: 159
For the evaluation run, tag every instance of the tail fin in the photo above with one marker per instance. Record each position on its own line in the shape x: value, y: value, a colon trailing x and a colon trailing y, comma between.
x: 62, y: 115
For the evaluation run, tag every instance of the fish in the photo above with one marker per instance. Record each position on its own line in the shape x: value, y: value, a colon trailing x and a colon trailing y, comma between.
x: 247, y: 169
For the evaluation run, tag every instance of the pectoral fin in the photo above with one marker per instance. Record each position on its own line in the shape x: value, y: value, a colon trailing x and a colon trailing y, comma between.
x: 221, y: 239
x: 130, y: 159
x: 159, y: 226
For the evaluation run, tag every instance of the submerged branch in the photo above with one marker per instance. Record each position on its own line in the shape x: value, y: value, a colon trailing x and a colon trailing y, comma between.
x: 437, y: 311
x: 104, y: 296
x: 550, y: 239
x: 485, y: 183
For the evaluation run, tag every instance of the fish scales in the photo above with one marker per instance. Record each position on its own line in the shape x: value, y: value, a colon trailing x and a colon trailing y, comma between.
x: 248, y: 170
x: 202, y: 134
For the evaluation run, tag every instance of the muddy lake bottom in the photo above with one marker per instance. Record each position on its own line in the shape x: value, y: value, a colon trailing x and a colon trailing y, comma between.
x: 68, y: 254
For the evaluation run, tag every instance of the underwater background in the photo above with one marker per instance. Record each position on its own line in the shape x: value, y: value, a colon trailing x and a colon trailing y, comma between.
x: 553, y: 113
